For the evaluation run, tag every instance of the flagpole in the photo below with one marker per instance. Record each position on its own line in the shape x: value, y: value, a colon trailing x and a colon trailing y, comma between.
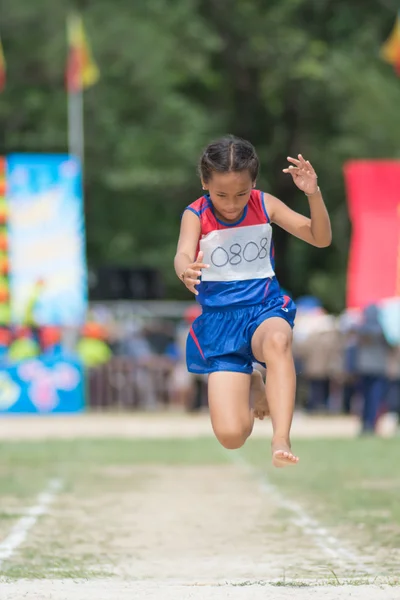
x: 82, y: 72
x: 76, y: 133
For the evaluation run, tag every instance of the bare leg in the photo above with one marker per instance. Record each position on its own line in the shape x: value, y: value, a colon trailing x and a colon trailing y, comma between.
x: 258, y: 395
x: 272, y: 344
x: 232, y: 418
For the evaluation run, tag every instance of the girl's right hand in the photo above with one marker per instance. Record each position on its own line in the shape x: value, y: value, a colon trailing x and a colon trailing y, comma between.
x: 193, y: 272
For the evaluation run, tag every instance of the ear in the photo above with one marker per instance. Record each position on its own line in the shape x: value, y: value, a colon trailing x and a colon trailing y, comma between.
x: 203, y: 185
x: 254, y: 184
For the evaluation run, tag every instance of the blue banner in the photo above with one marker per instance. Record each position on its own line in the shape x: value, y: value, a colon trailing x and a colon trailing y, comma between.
x: 45, y: 385
x: 46, y: 239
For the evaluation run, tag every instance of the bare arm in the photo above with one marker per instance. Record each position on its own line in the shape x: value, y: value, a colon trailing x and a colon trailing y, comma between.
x: 186, y: 267
x: 316, y: 229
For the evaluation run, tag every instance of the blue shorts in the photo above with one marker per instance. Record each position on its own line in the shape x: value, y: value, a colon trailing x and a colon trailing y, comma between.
x: 220, y: 339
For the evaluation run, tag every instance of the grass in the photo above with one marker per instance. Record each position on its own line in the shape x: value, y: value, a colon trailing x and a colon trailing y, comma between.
x: 336, y: 582
x: 351, y: 486
x: 344, y: 483
x: 109, y: 451
x: 332, y: 581
x: 25, y: 467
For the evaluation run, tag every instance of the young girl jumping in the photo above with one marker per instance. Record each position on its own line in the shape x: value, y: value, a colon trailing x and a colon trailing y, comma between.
x: 225, y: 256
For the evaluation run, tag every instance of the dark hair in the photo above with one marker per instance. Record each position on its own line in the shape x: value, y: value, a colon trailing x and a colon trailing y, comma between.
x: 227, y: 154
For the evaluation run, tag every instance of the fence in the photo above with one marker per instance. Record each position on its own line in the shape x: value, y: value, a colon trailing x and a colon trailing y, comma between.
x: 125, y: 384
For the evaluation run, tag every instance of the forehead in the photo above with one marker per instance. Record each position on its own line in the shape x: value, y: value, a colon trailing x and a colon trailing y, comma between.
x: 232, y: 181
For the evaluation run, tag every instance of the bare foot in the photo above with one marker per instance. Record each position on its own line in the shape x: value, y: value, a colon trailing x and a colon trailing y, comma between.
x: 282, y: 455
x: 257, y: 389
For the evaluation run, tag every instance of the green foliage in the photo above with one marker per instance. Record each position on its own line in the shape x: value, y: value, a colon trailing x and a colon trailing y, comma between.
x: 290, y: 75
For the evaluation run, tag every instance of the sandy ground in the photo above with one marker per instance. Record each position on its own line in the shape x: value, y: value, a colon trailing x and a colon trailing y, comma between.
x: 111, y: 590
x: 196, y: 524
x: 171, y: 533
x: 176, y: 532
x: 168, y: 424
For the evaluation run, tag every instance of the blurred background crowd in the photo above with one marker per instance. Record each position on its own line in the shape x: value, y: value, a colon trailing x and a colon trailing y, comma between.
x: 346, y: 364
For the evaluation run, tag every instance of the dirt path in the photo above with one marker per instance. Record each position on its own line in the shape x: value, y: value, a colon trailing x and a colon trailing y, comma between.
x: 164, y: 425
x: 174, y: 532
x: 111, y: 590
x: 189, y: 524
x: 171, y: 533
x: 192, y: 528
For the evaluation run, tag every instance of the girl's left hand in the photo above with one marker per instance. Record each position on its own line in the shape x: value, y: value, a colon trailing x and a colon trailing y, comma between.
x: 303, y: 175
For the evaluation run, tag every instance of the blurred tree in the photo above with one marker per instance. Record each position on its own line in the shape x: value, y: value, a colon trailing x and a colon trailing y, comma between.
x: 290, y: 75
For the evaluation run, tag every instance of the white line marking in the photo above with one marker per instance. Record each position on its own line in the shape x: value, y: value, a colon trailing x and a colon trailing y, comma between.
x: 310, y: 526
x: 19, y: 532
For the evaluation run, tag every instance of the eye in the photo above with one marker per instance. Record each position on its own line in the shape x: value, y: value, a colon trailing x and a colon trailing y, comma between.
x: 221, y: 195
x: 242, y: 194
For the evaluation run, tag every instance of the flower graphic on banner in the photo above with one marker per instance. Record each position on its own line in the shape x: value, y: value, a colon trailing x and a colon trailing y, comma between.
x: 45, y: 382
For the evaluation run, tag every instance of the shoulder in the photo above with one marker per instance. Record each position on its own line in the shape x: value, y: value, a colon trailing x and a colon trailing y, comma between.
x: 259, y: 200
x: 199, y: 206
x: 271, y: 205
x: 201, y: 211
x: 191, y: 219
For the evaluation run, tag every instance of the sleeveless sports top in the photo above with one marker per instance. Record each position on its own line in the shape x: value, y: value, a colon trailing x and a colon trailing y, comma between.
x: 240, y: 255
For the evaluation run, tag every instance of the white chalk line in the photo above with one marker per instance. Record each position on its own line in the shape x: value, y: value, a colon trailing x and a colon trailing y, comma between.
x: 19, y: 532
x: 320, y: 536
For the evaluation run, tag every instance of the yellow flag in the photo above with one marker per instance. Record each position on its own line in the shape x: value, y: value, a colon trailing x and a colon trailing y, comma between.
x: 82, y: 71
x: 390, y: 50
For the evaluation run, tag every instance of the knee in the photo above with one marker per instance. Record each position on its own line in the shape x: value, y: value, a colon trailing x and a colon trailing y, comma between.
x: 232, y: 438
x: 277, y: 343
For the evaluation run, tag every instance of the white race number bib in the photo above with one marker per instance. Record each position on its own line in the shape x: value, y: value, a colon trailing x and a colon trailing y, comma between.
x: 238, y: 253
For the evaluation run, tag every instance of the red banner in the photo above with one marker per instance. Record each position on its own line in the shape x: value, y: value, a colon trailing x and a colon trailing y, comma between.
x: 373, y: 192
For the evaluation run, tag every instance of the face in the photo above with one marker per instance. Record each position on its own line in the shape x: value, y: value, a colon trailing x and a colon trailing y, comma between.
x: 229, y: 192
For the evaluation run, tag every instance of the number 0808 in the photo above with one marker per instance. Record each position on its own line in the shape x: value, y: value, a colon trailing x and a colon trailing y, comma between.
x: 236, y: 254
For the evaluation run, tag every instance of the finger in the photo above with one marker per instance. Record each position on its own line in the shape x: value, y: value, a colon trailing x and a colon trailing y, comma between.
x: 192, y: 281
x: 294, y: 161
x: 199, y: 266
x: 193, y: 274
x: 310, y: 167
x: 302, y: 161
x: 192, y: 289
x: 200, y: 256
x: 291, y: 170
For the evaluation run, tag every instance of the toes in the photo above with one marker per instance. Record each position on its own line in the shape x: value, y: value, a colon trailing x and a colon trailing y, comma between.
x: 259, y: 414
x: 283, y: 455
x: 282, y: 458
x: 293, y: 458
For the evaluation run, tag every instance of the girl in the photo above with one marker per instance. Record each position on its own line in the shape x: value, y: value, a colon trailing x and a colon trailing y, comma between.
x: 225, y: 256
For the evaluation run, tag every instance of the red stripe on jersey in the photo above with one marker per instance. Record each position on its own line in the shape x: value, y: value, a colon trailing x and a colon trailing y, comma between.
x: 255, y: 213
